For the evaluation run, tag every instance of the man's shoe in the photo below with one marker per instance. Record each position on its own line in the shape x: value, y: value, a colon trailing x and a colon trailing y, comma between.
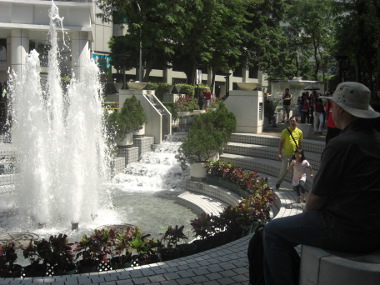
x: 277, y: 185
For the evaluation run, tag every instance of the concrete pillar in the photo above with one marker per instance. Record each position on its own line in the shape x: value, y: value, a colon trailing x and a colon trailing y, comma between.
x: 18, y: 49
x: 80, y: 52
x: 245, y: 74
x: 263, y: 81
x: 168, y: 75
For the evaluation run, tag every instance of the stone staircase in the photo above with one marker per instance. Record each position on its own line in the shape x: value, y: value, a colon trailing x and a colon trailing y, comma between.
x: 259, y: 153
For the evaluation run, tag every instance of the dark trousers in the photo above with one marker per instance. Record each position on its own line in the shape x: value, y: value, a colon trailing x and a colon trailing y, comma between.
x: 300, y: 188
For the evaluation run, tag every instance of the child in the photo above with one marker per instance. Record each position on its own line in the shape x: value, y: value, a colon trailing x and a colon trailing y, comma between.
x: 299, y: 165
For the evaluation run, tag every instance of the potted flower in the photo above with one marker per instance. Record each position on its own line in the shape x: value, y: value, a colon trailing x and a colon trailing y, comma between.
x: 8, y: 256
x: 121, y: 124
x: 207, y: 137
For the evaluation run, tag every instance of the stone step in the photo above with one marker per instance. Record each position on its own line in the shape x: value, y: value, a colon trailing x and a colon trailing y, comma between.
x: 309, y: 146
x: 216, y: 192
x: 200, y: 203
x: 268, y: 152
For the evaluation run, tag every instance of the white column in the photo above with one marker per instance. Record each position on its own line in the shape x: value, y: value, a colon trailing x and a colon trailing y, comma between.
x: 17, y: 49
x: 80, y: 52
x: 245, y: 74
x: 168, y: 75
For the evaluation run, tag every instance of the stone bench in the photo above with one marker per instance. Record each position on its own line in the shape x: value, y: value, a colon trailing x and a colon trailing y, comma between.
x: 322, y: 267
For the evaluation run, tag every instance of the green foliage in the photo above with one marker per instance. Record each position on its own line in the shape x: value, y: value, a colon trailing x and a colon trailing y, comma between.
x: 311, y: 32
x: 95, y: 247
x: 173, y: 235
x: 130, y: 118
x: 203, y: 226
x: 142, y: 244
x: 186, y: 103
x: 207, y: 136
x: 357, y: 34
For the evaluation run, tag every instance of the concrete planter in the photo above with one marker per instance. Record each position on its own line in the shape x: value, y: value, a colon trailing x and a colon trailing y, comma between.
x: 198, y: 170
x: 126, y: 141
x: 140, y: 132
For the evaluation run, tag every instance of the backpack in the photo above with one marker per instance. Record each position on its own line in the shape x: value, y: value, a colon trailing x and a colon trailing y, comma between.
x: 256, y: 259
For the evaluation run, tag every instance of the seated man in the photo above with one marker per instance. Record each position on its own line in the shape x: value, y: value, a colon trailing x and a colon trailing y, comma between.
x: 343, y: 208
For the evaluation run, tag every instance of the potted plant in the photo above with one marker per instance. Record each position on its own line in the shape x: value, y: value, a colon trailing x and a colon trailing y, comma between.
x: 207, y: 137
x: 203, y: 228
x: 56, y: 254
x: 142, y: 248
x: 121, y: 124
x: 93, y: 251
x: 121, y: 253
x: 170, y: 239
x: 36, y: 267
x: 8, y: 256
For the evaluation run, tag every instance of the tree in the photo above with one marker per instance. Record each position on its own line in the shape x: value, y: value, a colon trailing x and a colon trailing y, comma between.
x: 219, y: 35
x: 358, y: 38
x: 212, y: 36
x: 267, y: 47
x: 310, y: 24
x: 152, y: 23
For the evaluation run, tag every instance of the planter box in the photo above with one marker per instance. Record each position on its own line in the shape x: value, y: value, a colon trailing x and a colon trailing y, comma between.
x: 218, y: 181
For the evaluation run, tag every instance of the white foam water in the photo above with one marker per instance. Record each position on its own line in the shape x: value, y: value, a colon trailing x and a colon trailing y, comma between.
x: 62, y: 151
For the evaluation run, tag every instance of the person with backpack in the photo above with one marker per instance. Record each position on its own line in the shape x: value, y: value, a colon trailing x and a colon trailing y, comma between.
x: 299, y: 165
x: 342, y: 211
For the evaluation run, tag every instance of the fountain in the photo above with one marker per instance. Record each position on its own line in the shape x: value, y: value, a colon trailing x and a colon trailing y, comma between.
x: 62, y: 153
x: 62, y: 159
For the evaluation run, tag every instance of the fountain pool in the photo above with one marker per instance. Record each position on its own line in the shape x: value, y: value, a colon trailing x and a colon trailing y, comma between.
x: 63, y: 158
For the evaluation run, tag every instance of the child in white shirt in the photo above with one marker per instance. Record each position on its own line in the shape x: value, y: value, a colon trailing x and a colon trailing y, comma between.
x: 299, y: 165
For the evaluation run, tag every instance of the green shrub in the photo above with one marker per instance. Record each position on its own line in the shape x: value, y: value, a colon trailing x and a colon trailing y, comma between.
x: 130, y: 118
x: 207, y: 136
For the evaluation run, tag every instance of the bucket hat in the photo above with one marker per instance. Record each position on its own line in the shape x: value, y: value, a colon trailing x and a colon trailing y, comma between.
x: 353, y: 97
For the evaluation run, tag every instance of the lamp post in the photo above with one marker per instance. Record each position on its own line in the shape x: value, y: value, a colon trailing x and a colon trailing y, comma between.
x: 139, y: 77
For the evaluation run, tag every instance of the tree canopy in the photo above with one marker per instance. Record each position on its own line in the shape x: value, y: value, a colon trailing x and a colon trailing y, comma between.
x: 282, y: 38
